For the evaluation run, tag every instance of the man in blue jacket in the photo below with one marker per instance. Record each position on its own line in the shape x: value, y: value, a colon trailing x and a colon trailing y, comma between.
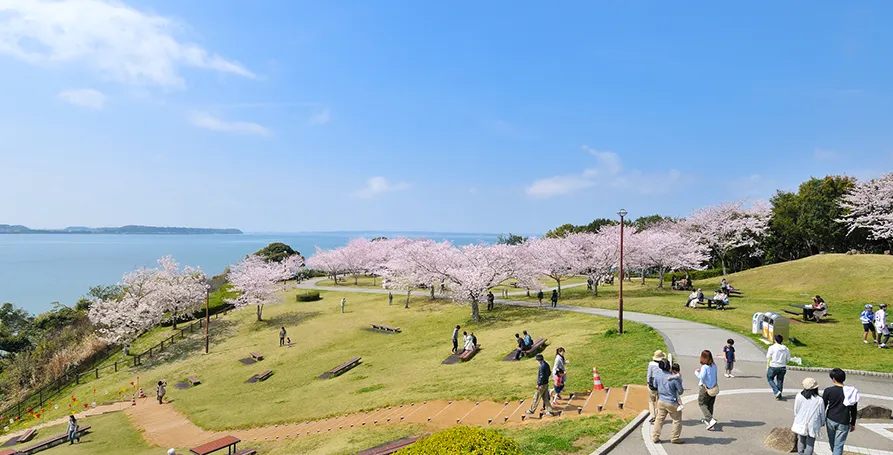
x: 542, y: 388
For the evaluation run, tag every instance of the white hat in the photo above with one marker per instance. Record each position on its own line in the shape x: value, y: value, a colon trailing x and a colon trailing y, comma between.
x: 171, y: 452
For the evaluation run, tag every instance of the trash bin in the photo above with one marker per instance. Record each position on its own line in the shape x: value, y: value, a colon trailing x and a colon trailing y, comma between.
x: 774, y: 324
x: 756, y: 326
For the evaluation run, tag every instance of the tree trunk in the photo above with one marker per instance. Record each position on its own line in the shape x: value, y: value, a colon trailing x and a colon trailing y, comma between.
x: 594, y: 286
x: 528, y: 292
x: 356, y: 279
x: 432, y: 291
x: 643, y: 277
x: 722, y: 259
x: 475, y: 310
x: 175, y: 321
x: 660, y: 282
x: 559, y: 286
x: 260, y: 310
x: 407, y: 298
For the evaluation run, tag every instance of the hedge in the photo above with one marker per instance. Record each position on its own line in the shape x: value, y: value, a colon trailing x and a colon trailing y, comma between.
x: 464, y: 440
x: 695, y: 274
x: 309, y: 296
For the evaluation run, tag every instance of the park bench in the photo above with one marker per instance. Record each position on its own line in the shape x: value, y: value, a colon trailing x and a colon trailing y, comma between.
x: 537, y: 346
x: 386, y: 328
x: 467, y: 355
x: 341, y: 368
x: 50, y: 442
x: 26, y: 436
x: 193, y: 380
x: 257, y: 356
x: 246, y: 452
x: 226, y: 442
x: 9, y: 451
x: 263, y: 376
x: 390, y: 447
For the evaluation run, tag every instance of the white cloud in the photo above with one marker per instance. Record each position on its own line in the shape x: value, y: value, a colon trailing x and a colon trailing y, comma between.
x: 118, y: 42
x: 84, y: 97
x: 824, y: 154
x: 321, y: 117
x: 210, y: 122
x: 608, y: 173
x: 379, y: 185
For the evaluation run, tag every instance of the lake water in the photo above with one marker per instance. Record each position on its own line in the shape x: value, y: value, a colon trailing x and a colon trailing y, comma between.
x: 38, y: 269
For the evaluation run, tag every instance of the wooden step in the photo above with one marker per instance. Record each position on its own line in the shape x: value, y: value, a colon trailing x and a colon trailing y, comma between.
x: 612, y: 400
x: 594, y: 401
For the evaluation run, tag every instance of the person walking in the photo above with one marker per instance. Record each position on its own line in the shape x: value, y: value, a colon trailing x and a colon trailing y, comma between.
x: 73, y: 433
x: 539, y: 296
x: 708, y: 387
x: 560, y: 365
x: 456, y: 339
x: 653, y: 371
x: 554, y: 298
x: 542, y: 388
x: 282, y: 335
x: 809, y: 416
x: 490, y: 299
x: 778, y: 356
x: 390, y: 298
x: 342, y: 304
x: 840, y: 410
x: 880, y: 324
x: 668, y: 390
x: 160, y: 391
x: 867, y: 320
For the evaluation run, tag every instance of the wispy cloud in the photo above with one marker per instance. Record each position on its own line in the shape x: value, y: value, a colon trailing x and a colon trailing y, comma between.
x: 210, y: 122
x: 118, y: 42
x: 607, y: 173
x: 379, y: 185
x: 321, y: 117
x: 84, y: 97
x: 824, y: 154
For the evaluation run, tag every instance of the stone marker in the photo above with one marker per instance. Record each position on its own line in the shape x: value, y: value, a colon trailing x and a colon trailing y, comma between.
x: 782, y: 439
x: 874, y: 412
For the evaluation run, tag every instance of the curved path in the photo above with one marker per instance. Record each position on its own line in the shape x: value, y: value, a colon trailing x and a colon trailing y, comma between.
x: 684, y: 338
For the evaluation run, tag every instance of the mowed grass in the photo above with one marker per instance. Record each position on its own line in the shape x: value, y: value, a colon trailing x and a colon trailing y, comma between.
x: 845, y: 282
x: 396, y: 369
x: 110, y: 434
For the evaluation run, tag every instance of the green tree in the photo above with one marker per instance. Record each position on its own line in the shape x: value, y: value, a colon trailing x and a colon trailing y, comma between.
x: 644, y: 222
x: 276, y: 252
x: 565, y: 229
x: 510, y: 239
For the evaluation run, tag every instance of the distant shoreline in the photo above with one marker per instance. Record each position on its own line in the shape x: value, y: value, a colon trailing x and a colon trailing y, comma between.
x: 123, y: 230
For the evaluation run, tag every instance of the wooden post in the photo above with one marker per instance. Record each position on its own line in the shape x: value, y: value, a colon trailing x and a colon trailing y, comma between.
x: 97, y: 373
x: 116, y: 366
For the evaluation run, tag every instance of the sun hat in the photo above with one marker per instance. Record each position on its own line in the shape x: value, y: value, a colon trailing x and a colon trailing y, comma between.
x: 539, y: 357
x: 810, y: 383
x: 868, y: 306
x: 658, y: 355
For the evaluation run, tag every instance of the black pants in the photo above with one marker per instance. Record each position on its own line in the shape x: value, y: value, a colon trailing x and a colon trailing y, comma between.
x: 554, y: 303
x: 281, y: 342
x: 455, y: 345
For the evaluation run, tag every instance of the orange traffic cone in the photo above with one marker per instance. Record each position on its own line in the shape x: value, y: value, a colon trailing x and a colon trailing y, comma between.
x: 596, y: 380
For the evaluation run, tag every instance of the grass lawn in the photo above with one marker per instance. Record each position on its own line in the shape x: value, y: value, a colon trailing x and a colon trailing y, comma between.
x: 396, y: 369
x: 847, y: 283
x: 110, y: 434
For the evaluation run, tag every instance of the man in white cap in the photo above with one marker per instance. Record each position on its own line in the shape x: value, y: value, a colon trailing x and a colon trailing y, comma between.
x: 653, y: 368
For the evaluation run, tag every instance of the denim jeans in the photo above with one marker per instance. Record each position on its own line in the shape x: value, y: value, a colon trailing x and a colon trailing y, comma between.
x: 775, y: 375
x: 805, y: 445
x: 837, y: 433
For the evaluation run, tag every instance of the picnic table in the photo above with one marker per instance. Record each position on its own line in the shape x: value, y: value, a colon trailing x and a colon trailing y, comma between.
x: 257, y: 356
x: 226, y: 442
x: 808, y: 311
x: 340, y: 368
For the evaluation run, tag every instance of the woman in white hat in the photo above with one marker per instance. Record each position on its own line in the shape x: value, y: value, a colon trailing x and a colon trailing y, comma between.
x: 809, y: 416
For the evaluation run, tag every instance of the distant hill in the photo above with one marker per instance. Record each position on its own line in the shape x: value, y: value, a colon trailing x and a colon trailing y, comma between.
x: 130, y: 229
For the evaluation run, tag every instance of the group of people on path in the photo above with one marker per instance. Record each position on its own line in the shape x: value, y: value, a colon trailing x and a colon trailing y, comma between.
x: 469, y: 341
x: 835, y: 410
x: 553, y: 298
x: 665, y: 392
x: 876, y: 323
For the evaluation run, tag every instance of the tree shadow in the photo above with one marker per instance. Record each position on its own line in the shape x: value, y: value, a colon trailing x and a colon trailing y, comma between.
x: 288, y: 319
x: 222, y: 329
x: 708, y: 441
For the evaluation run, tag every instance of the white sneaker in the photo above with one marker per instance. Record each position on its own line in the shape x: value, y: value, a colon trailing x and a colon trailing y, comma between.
x: 726, y: 375
x: 711, y: 424
x: 865, y: 341
x: 680, y: 407
x: 731, y: 375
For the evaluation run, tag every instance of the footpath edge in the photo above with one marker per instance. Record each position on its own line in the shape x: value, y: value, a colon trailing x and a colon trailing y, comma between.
x: 622, y: 434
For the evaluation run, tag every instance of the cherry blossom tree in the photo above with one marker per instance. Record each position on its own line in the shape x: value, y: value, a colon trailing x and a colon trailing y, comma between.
x: 257, y: 281
x: 598, y: 254
x: 327, y: 261
x: 120, y: 319
x: 556, y: 258
x: 729, y: 226
x: 179, y: 291
x: 356, y: 257
x: 666, y: 249
x: 869, y: 205
x: 411, y: 263
x: 471, y: 271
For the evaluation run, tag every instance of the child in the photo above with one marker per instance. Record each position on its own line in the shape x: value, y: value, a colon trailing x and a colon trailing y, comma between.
x: 867, y: 320
x: 729, y: 351
x: 559, y: 385
x: 676, y: 376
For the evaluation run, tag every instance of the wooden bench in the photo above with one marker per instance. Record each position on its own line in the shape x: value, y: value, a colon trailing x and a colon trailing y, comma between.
x: 25, y: 437
x: 246, y: 452
x: 8, y: 452
x: 257, y: 356
x: 193, y: 380
x: 226, y: 442
x: 537, y: 346
x: 50, y: 442
x: 340, y: 369
x: 263, y: 376
x: 467, y: 355
x: 390, y: 447
x: 386, y: 328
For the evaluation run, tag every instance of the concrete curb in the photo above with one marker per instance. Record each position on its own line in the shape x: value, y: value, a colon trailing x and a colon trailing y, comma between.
x: 622, y: 434
x: 849, y: 372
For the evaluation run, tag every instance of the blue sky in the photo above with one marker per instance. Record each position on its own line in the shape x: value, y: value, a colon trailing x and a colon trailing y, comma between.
x: 453, y: 116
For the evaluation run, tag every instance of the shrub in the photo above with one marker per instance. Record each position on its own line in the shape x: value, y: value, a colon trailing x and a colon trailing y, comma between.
x: 464, y: 440
x: 309, y: 296
x: 695, y: 274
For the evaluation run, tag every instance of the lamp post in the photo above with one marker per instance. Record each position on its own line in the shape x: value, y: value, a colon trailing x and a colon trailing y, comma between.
x: 207, y: 316
x: 622, y: 214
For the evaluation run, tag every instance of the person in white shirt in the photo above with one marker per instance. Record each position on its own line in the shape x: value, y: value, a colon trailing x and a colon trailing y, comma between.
x: 809, y: 416
x: 880, y: 323
x: 778, y: 357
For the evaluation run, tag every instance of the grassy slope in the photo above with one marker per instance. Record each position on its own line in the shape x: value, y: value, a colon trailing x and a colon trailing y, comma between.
x: 845, y: 282
x: 110, y: 434
x: 396, y: 368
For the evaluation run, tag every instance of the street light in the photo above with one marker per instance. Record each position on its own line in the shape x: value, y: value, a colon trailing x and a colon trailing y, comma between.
x: 622, y: 214
x: 207, y: 316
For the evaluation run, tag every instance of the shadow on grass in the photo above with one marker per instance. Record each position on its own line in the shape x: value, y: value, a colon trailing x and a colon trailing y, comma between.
x: 286, y: 320
x: 222, y: 329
